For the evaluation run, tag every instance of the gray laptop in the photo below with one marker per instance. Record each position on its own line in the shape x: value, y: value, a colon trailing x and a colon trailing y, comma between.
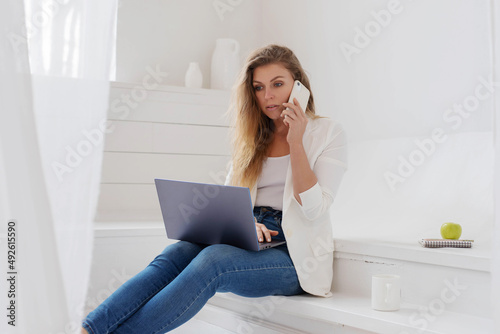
x: 209, y: 214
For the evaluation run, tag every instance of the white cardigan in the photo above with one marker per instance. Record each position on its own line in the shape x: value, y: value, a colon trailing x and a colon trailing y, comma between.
x: 307, y: 227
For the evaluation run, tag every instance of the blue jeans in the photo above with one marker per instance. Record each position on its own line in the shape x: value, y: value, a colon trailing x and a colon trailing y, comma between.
x: 179, y: 282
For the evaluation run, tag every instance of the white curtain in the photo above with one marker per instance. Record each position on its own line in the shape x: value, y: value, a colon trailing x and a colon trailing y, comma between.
x: 495, y: 282
x: 53, y: 102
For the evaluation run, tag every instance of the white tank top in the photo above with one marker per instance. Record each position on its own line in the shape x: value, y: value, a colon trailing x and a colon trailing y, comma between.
x: 271, y: 183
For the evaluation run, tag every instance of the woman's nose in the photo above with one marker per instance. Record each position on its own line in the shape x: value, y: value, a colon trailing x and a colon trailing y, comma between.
x: 268, y: 94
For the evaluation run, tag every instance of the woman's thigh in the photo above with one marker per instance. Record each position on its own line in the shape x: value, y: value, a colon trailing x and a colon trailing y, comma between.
x: 217, y: 268
x: 249, y: 273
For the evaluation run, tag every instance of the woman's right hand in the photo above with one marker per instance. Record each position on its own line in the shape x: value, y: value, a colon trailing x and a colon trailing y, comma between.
x: 263, y: 233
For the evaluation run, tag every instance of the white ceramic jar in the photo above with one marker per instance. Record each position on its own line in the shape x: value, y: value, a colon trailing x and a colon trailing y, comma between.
x: 194, y: 77
x: 225, y: 63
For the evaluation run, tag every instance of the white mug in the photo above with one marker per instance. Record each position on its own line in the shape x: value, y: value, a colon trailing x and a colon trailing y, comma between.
x: 386, y: 292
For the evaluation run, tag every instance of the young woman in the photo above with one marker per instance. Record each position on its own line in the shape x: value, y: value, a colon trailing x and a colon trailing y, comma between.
x: 293, y: 162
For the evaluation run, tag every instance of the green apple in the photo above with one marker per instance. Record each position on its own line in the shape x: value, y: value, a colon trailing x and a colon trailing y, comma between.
x: 451, y: 231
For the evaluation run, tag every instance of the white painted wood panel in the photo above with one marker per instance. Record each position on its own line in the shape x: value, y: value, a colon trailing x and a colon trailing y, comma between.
x: 172, y: 93
x: 167, y: 138
x: 190, y: 139
x: 169, y: 104
x: 168, y: 132
x: 129, y: 137
x: 157, y: 111
x: 121, y: 167
x: 128, y: 202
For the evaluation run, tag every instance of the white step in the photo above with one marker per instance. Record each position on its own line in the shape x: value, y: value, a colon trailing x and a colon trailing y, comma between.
x: 199, y: 326
x: 425, y: 274
x: 459, y: 276
x: 307, y: 314
x: 443, y: 291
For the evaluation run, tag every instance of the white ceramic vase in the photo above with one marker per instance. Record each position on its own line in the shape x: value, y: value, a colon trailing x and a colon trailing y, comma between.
x: 225, y: 63
x: 194, y: 77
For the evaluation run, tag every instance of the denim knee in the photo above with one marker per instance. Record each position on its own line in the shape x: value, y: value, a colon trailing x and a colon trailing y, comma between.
x: 216, y: 256
x: 178, y: 255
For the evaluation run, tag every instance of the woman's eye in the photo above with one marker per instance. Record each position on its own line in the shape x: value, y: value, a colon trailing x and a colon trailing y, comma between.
x: 257, y: 88
x: 278, y: 84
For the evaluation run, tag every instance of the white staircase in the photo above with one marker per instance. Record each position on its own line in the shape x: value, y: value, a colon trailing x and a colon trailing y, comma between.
x: 443, y: 291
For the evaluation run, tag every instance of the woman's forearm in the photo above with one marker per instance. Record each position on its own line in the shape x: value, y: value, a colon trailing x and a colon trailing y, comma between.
x: 303, y: 176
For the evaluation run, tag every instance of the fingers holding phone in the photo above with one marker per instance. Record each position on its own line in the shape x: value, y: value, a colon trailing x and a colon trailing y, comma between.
x: 301, y: 93
x: 294, y: 115
x: 292, y: 111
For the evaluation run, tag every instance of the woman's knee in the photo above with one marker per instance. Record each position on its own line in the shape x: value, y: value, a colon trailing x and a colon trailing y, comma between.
x: 179, y: 253
x: 220, y: 251
x: 218, y: 256
x: 181, y: 248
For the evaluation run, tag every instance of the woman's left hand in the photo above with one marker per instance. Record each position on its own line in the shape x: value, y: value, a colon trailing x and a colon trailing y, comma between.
x: 296, y: 120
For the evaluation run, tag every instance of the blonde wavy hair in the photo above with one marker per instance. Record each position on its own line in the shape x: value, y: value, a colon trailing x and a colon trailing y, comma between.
x: 252, y: 130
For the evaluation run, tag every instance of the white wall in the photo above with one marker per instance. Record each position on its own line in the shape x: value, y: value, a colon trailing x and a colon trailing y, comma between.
x: 495, y: 296
x: 404, y: 66
x: 427, y: 57
x: 173, y: 33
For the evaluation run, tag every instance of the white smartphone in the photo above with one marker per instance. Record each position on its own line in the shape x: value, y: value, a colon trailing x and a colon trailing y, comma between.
x: 301, y: 93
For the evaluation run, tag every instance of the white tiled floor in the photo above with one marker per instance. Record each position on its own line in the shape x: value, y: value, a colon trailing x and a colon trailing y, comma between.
x: 198, y: 326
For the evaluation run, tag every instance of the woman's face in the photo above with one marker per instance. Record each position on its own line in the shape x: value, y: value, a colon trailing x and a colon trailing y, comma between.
x: 272, y: 84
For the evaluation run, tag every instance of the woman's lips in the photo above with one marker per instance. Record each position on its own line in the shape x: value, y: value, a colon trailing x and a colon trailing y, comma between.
x: 272, y: 107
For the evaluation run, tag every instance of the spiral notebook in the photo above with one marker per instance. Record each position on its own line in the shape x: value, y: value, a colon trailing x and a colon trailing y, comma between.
x: 438, y: 243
